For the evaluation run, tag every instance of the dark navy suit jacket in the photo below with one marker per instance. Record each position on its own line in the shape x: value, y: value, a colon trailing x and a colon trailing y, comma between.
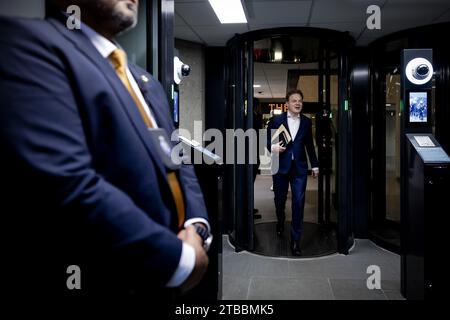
x: 81, y: 183
x: 302, y: 144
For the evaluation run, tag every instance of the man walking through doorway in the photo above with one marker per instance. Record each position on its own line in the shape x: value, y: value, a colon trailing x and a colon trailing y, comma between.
x: 293, y: 165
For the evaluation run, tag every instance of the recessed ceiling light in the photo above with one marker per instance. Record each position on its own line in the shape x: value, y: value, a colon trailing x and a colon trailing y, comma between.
x: 229, y: 11
x: 256, y: 86
x: 278, y: 56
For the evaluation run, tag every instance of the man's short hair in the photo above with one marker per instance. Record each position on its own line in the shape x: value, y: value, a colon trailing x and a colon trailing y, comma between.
x: 291, y: 92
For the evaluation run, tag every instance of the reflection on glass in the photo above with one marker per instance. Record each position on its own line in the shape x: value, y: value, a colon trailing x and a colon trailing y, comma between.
x: 393, y: 147
x: 334, y: 89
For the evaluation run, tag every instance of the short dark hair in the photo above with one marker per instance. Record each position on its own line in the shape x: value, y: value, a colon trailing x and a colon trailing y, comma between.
x: 295, y: 91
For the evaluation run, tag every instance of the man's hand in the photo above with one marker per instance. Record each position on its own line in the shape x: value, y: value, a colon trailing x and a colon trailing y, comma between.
x: 190, y: 236
x: 278, y: 148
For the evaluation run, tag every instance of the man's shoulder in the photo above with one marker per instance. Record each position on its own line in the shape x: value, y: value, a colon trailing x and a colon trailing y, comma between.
x: 278, y: 118
x: 19, y: 21
x: 13, y: 28
x: 305, y: 118
x: 33, y: 37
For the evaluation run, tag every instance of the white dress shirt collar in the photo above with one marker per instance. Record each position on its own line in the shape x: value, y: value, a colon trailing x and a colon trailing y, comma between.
x: 292, y: 115
x: 293, y: 121
x: 103, y: 45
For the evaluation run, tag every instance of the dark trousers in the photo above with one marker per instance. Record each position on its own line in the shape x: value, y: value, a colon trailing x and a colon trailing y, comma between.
x: 298, y: 188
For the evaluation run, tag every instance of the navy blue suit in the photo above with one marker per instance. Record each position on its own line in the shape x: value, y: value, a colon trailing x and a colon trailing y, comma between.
x: 81, y: 182
x: 293, y: 169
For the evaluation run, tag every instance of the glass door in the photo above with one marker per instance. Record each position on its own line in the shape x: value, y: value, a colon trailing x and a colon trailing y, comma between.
x: 238, y: 183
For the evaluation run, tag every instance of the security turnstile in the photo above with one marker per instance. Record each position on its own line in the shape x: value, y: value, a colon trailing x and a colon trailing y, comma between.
x: 426, y: 191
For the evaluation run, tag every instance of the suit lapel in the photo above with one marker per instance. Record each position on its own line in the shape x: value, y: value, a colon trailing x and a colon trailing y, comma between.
x: 285, y: 123
x: 87, y: 48
x: 301, y: 128
x: 149, y: 96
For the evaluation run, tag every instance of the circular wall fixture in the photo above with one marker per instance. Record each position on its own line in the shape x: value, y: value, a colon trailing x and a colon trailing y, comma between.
x: 419, y: 71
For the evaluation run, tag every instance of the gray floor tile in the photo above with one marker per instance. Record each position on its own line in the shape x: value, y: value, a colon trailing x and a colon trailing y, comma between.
x: 236, y: 265
x: 306, y: 268
x: 390, y: 285
x: 365, y: 249
x: 235, y: 288
x: 394, y: 295
x: 352, y: 289
x: 339, y: 267
x: 355, y: 267
x: 262, y: 266
x: 263, y: 288
x: 258, y: 277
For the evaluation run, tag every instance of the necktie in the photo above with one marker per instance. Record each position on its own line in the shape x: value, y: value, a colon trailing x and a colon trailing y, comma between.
x: 119, y: 60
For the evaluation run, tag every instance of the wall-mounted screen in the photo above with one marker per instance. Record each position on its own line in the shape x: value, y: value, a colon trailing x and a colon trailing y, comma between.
x: 418, y: 106
x: 176, y: 109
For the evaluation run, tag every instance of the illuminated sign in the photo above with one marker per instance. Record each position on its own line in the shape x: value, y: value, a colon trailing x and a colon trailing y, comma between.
x: 278, y: 106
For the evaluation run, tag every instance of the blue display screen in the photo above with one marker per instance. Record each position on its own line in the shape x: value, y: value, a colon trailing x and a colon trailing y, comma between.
x: 175, y: 107
x: 418, y: 107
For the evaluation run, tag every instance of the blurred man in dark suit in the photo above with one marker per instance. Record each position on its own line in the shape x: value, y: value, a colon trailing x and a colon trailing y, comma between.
x: 84, y: 182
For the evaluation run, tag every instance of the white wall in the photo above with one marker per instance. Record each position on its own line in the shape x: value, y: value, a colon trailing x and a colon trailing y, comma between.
x: 192, y: 87
x: 23, y: 8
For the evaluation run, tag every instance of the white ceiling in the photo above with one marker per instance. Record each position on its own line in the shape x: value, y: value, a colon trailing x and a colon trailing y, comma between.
x: 196, y: 21
x: 272, y: 78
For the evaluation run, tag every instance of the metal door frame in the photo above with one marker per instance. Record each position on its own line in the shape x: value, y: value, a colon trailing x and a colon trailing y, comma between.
x: 240, y: 189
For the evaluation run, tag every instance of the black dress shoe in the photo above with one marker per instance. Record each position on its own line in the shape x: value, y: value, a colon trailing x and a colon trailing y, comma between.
x: 295, y: 247
x: 280, y: 229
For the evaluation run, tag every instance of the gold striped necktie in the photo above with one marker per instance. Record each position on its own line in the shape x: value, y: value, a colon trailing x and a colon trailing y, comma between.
x: 119, y: 60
